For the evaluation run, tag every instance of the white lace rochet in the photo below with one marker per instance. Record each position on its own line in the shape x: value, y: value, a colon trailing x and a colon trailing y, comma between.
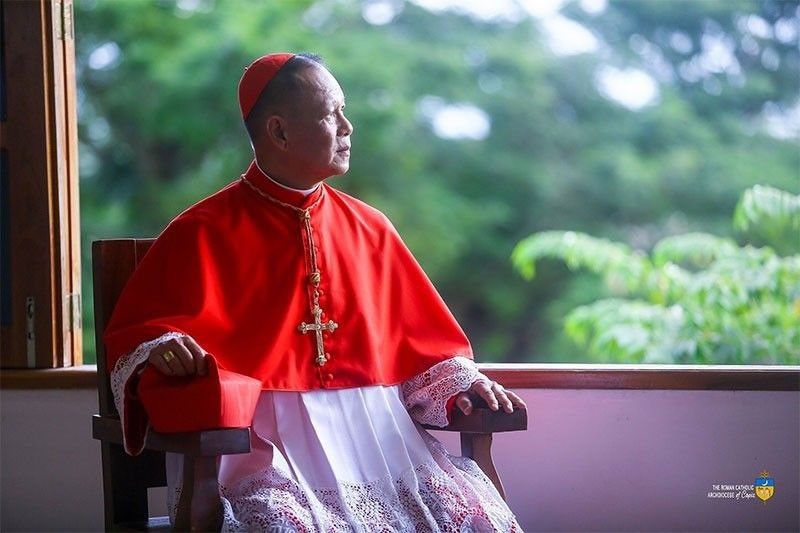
x: 126, y: 367
x: 426, y: 394
x: 446, y: 493
x: 334, y: 460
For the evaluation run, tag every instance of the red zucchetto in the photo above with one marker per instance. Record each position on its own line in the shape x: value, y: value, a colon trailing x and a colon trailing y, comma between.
x: 256, y: 77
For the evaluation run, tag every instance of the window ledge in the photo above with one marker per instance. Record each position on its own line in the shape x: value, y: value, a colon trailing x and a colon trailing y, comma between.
x: 521, y: 376
x: 644, y: 377
x: 73, y: 377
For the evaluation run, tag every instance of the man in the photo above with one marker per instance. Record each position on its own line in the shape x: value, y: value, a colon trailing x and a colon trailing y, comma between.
x: 284, y: 279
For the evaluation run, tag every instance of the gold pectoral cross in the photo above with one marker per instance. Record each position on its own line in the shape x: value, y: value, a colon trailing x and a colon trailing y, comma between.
x: 318, y: 327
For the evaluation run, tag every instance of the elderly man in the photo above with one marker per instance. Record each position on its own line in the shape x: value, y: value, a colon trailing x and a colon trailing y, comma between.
x: 280, y: 277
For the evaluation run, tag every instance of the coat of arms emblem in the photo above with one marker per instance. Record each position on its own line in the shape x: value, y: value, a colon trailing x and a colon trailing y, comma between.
x: 765, y: 486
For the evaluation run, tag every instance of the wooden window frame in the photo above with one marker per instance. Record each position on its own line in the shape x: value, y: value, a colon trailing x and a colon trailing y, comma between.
x: 41, y: 325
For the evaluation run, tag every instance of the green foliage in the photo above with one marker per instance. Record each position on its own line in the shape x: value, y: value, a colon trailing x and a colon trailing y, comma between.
x: 767, y: 204
x: 695, y: 249
x: 771, y: 214
x: 629, y: 331
x: 159, y: 130
x: 578, y: 250
x: 726, y: 305
x: 651, y: 28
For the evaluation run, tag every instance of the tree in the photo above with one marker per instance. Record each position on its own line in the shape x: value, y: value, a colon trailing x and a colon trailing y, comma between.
x: 159, y: 130
x: 696, y: 298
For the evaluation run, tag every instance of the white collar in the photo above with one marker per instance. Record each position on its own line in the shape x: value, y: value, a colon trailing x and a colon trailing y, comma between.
x: 304, y: 192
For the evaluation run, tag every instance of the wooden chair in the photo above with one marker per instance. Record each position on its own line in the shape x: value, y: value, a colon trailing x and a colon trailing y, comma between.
x: 126, y: 479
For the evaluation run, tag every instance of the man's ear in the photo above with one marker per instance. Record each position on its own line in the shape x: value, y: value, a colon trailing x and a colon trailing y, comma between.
x: 276, y: 131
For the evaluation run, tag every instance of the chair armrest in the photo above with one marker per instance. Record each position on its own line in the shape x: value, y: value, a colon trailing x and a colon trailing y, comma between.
x: 484, y: 420
x: 199, y: 507
x: 476, y: 434
x: 206, y: 443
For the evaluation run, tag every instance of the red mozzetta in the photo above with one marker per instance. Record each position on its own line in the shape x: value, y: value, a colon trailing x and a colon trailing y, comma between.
x: 244, y: 271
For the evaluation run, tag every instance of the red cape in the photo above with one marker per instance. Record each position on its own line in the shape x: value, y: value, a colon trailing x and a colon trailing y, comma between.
x: 232, y: 272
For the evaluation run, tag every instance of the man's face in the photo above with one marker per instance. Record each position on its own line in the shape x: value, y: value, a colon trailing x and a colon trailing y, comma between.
x: 318, y: 133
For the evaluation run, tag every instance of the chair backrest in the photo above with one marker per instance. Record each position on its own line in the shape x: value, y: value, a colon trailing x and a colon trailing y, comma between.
x: 113, y: 262
x: 125, y: 478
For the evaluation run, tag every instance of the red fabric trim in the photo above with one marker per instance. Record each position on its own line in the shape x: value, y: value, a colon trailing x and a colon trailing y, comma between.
x: 219, y: 399
x: 134, y: 417
x: 451, y: 404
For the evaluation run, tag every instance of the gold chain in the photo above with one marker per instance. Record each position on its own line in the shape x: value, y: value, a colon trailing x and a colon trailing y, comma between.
x: 284, y: 204
x: 314, y: 277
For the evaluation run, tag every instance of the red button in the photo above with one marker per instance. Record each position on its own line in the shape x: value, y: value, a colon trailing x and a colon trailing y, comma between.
x: 329, y: 376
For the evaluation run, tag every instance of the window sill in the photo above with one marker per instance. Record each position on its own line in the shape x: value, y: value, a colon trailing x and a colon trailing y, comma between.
x: 644, y: 377
x: 74, y: 377
x: 521, y: 376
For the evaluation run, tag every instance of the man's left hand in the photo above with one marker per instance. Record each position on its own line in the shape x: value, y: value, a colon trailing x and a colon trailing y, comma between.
x: 493, y: 393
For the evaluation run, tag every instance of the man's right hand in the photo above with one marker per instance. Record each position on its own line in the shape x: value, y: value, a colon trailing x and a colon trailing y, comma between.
x: 181, y: 356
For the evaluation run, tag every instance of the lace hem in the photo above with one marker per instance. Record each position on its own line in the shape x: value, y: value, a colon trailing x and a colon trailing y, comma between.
x: 426, y: 395
x: 448, y: 493
x: 124, y: 369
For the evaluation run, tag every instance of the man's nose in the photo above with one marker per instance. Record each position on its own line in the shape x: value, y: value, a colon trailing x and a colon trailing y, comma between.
x: 346, y: 127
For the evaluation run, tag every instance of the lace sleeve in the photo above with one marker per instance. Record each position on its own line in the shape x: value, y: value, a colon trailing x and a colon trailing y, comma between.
x: 134, y: 425
x: 426, y: 395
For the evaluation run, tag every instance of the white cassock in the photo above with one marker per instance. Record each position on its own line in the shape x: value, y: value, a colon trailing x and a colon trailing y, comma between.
x: 335, y: 460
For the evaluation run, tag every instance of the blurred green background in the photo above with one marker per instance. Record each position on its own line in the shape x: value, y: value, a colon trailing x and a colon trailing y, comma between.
x: 477, y: 124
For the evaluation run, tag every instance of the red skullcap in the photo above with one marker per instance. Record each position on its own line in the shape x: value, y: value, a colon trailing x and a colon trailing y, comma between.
x: 256, y: 77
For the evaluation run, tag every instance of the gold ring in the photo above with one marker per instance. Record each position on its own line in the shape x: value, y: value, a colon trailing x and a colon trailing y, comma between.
x: 168, y: 356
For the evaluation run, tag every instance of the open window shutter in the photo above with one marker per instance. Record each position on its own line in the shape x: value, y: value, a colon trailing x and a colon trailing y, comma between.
x: 40, y: 235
